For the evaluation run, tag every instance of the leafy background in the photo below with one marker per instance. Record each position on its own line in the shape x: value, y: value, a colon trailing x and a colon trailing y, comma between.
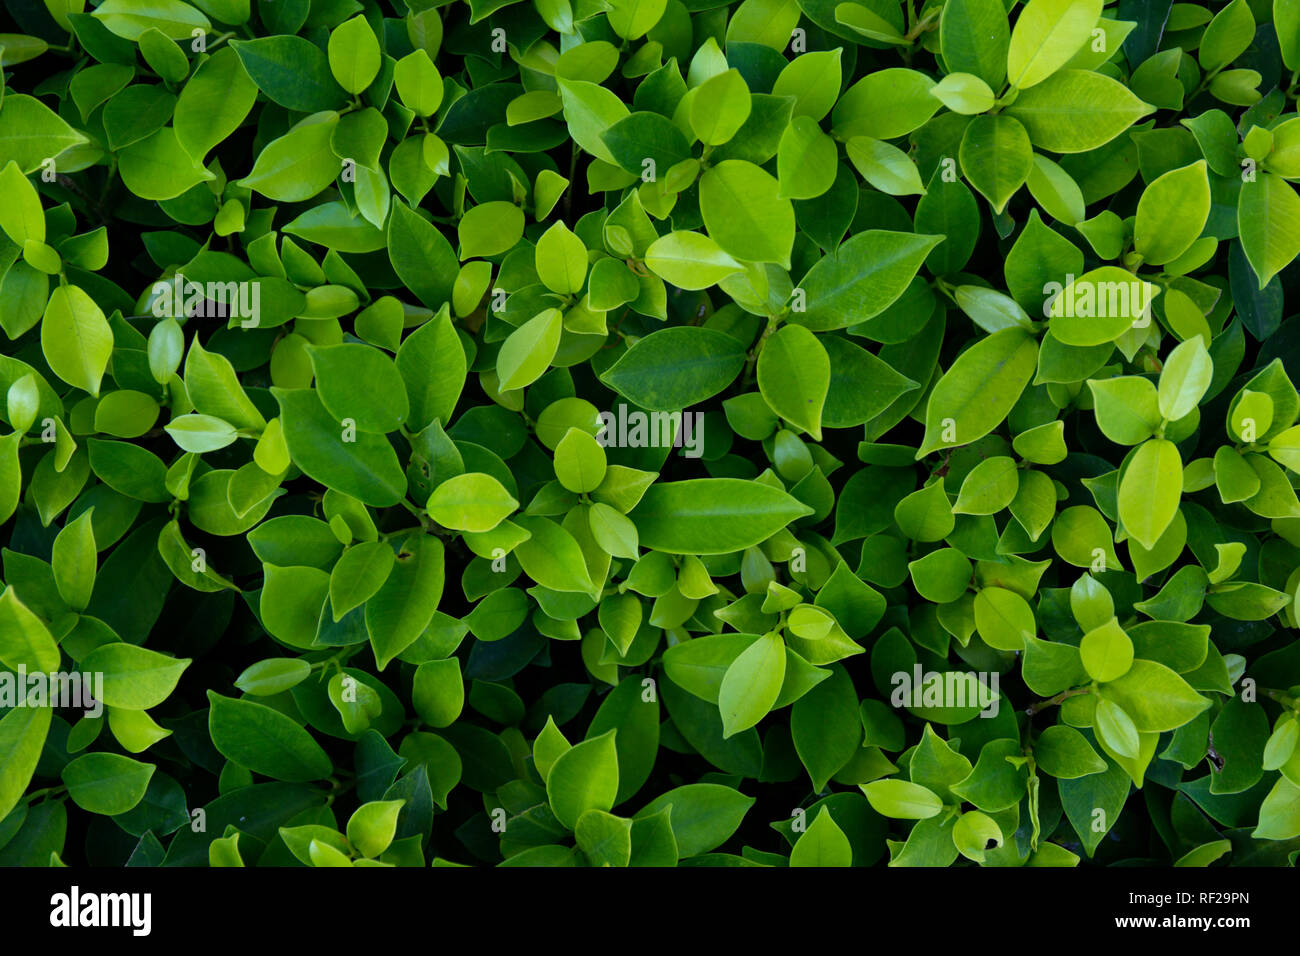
x: 364, y: 586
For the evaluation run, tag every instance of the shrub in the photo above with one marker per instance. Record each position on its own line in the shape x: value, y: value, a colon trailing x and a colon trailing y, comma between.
x: 645, y: 431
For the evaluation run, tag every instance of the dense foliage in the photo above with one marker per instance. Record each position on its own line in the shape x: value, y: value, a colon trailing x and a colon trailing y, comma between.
x: 621, y: 432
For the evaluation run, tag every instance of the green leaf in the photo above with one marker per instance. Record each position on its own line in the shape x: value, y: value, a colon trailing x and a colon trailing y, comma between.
x: 30, y: 132
x: 76, y: 339
x: 421, y: 256
x: 22, y: 737
x: 675, y: 368
x: 974, y: 37
x: 720, y: 108
x: 1100, y: 306
x: 584, y: 777
x: 354, y: 54
x: 25, y: 641
x: 825, y: 727
x: 130, y: 19
x: 359, y: 573
x: 75, y: 560
x: 885, y: 167
x: 794, y: 374
x: 352, y: 461
x: 590, y: 110
x: 1074, y: 111
x: 24, y: 219
x: 291, y: 71
x: 360, y: 383
x: 822, y: 844
x: 712, y: 515
x: 979, y: 390
x: 400, y: 611
x: 744, y: 212
x: 551, y: 556
x: 273, y: 675
x: 1066, y: 754
x: 807, y: 160
x: 643, y: 136
x: 438, y: 692
x: 964, y: 93
x: 972, y: 834
x: 214, y: 389
x: 561, y: 259
x: 1127, y: 408
x: 200, y: 433
x: 690, y: 260
x: 299, y: 164
x: 704, y: 815
x: 1279, y: 814
x: 471, y: 502
x: 1116, y: 729
x: 996, y: 158
x: 1106, y: 651
x: 1155, y: 697
x: 902, y: 799
x: 490, y: 229
x: 698, y: 665
x: 373, y: 825
x: 751, y: 684
x: 107, y: 783
x: 885, y: 104
x: 1267, y: 222
x: 264, y: 740
x: 1229, y: 35
x: 158, y: 167
x: 1003, y: 618
x: 814, y: 80
x: 528, y: 350
x: 1171, y: 213
x: 579, y: 462
x: 135, y: 678
x: 860, y: 280
x: 1184, y: 379
x: 435, y: 344
x: 214, y: 102
x: 1047, y: 34
x: 1150, y: 490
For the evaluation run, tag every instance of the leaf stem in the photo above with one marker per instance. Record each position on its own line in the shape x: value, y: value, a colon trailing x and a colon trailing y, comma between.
x: 1042, y: 705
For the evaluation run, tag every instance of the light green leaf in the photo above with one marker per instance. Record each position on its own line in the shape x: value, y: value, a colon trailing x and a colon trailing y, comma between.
x: 584, y: 777
x: 1150, y: 490
x: 1184, y: 379
x: 822, y: 844
x: 528, y: 350
x: 745, y: 214
x: 264, y: 740
x: 1074, y: 111
x: 1047, y: 34
x: 712, y: 515
x: 996, y: 157
x: 979, y: 390
x: 76, y: 338
x: 751, y: 684
x: 1268, y: 219
x: 794, y: 377
x: 1171, y: 213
